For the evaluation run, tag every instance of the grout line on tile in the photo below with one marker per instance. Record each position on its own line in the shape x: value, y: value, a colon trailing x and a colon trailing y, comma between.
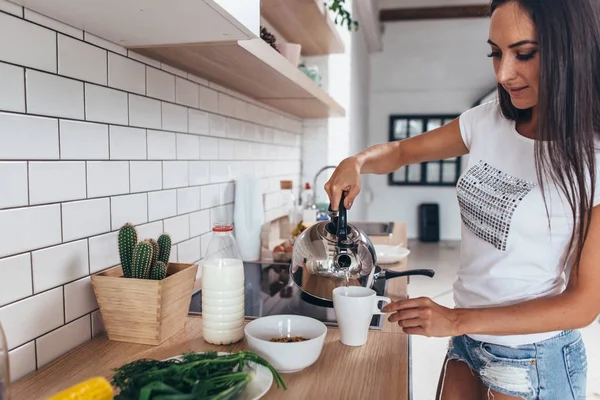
x: 25, y: 87
x: 62, y: 228
x: 175, y: 87
x: 128, y: 111
x: 162, y: 171
x: 108, y: 70
x: 128, y: 178
x: 28, y: 185
x: 35, y: 351
x: 147, y: 146
x: 110, y: 210
x: 64, y: 305
x: 59, y: 147
x: 86, y: 179
x: 32, y: 277
x: 109, y: 141
x: 89, y: 257
x: 161, y: 117
x: 57, y: 63
x: 84, y: 103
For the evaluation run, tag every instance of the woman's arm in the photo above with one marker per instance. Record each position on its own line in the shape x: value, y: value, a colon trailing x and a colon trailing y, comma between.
x: 384, y: 158
x: 437, y: 144
x: 577, y: 307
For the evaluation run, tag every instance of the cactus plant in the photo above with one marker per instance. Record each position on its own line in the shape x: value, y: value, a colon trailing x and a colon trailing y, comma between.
x: 158, y: 270
x: 148, y: 259
x: 164, y: 242
x: 142, y: 258
x: 155, y: 250
x: 127, y: 241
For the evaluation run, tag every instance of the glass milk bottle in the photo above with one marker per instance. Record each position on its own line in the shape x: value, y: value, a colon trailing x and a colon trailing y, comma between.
x: 222, y: 288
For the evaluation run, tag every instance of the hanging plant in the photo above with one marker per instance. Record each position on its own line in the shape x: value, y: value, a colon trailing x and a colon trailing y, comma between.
x: 337, y: 6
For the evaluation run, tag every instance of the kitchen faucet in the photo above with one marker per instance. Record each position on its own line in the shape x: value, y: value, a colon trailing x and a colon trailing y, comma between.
x: 313, y: 202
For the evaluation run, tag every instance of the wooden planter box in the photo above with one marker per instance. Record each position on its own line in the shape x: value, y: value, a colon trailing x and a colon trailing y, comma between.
x: 142, y: 310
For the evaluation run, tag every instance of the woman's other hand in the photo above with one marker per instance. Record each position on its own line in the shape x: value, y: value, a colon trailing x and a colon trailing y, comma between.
x: 346, y: 177
x: 423, y: 316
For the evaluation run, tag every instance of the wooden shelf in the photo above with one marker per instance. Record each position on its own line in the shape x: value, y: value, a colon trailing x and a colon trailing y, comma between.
x: 305, y: 23
x: 253, y: 68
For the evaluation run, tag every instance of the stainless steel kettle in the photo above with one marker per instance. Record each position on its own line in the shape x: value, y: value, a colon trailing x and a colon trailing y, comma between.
x: 335, y: 253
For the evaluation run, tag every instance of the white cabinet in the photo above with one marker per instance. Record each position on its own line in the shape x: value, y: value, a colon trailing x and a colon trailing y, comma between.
x: 245, y: 11
x: 133, y: 23
x: 217, y: 40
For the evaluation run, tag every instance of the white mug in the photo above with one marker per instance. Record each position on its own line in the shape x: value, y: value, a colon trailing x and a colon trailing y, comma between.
x: 354, y: 308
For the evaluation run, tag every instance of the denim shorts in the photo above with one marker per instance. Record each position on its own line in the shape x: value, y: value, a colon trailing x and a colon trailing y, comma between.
x: 552, y: 369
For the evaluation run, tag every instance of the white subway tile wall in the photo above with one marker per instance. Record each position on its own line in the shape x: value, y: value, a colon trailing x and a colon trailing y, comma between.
x: 76, y: 59
x: 12, y: 92
x: 93, y: 136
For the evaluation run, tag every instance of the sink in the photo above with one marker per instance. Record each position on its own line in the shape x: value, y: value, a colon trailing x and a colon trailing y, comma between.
x: 375, y: 228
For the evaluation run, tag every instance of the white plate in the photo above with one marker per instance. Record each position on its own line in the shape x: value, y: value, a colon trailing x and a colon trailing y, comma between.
x: 388, y: 254
x: 258, y: 386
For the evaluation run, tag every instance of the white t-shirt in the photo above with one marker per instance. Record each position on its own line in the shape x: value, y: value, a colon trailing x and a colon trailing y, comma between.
x: 509, y: 254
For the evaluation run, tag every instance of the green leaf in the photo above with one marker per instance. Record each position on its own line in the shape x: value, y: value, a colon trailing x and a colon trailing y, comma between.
x: 232, y: 392
x: 155, y: 388
x: 337, y: 6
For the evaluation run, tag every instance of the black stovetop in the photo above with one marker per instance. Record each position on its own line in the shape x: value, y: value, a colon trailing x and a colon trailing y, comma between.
x: 270, y: 291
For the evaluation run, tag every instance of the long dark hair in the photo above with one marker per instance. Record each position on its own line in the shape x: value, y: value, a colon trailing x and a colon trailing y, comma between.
x: 568, y: 35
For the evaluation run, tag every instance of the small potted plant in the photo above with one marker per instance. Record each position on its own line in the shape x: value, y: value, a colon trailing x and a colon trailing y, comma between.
x: 146, y: 298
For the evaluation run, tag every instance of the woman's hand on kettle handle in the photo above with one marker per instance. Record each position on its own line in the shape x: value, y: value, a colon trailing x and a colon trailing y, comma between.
x: 346, y: 177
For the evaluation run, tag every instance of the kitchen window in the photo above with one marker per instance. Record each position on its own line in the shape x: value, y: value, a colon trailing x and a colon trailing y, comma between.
x: 433, y: 173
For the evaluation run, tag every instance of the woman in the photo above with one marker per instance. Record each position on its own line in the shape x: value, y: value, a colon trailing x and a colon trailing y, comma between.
x: 530, y: 252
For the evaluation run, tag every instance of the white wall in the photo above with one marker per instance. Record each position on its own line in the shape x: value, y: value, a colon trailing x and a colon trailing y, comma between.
x: 426, y: 67
x: 93, y: 136
x: 328, y: 141
x: 359, y: 112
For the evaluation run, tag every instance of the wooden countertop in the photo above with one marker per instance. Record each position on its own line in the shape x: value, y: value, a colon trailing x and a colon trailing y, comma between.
x: 377, y: 370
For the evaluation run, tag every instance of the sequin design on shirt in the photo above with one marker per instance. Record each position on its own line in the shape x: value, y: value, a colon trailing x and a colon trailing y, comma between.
x: 488, y: 199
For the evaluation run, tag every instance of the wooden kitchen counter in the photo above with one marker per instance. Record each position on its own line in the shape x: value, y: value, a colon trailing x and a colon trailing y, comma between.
x: 377, y: 370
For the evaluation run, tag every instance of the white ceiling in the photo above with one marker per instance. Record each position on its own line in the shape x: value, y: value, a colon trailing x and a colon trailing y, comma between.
x: 427, y: 3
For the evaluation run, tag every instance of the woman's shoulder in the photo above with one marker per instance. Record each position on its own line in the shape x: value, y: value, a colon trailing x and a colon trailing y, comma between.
x: 490, y: 110
x: 483, y: 119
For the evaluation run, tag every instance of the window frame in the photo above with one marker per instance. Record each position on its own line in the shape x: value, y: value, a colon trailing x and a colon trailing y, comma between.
x: 422, y: 169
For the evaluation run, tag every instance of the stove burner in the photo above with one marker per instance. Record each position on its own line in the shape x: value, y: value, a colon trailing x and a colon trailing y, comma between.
x: 315, y: 301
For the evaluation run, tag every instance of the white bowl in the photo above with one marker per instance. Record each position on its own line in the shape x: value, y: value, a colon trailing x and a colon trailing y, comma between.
x: 388, y: 254
x: 286, y: 357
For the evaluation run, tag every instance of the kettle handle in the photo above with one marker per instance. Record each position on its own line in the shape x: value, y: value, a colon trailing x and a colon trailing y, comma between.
x: 342, y: 223
x: 339, y: 225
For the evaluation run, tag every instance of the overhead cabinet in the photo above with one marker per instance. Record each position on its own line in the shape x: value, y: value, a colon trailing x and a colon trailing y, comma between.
x: 214, y: 39
x: 155, y: 22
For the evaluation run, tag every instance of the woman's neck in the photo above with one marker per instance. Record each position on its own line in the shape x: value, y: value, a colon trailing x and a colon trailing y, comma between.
x: 529, y: 128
